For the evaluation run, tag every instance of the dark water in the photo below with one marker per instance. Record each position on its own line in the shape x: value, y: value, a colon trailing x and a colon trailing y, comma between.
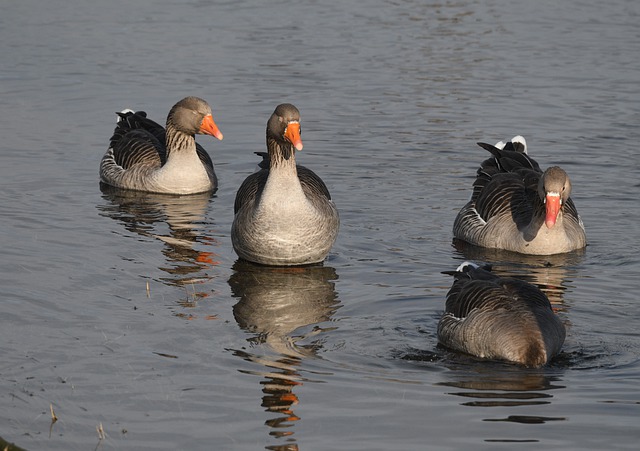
x: 131, y: 312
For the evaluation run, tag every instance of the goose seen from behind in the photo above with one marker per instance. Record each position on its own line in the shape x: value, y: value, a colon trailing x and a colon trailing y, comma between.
x: 144, y: 156
x: 499, y: 318
x: 517, y: 207
x: 284, y: 214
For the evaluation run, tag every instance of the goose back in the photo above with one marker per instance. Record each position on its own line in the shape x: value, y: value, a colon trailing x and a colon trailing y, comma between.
x: 499, y: 318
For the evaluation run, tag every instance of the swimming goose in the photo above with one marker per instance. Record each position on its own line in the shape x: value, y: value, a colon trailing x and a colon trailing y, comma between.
x: 517, y: 207
x: 284, y: 214
x: 142, y: 156
x: 499, y: 318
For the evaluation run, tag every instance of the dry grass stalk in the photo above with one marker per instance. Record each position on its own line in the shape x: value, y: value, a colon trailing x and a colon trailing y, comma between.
x: 100, y: 431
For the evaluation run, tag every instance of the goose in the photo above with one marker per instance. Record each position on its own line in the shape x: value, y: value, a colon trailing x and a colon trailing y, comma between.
x: 517, y: 207
x: 499, y: 318
x: 143, y: 156
x: 284, y: 214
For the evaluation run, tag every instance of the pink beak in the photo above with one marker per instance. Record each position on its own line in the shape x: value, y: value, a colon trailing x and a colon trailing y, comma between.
x: 552, y: 206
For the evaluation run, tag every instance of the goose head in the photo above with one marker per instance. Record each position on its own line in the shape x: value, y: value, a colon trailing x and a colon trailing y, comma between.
x: 283, y: 127
x: 554, y: 189
x: 192, y: 116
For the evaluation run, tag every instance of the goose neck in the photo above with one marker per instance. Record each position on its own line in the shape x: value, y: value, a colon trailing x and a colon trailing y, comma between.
x: 281, y: 155
x: 178, y: 141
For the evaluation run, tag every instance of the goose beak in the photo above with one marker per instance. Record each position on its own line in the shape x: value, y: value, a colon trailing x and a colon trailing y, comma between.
x: 292, y: 134
x: 208, y: 127
x: 552, y: 205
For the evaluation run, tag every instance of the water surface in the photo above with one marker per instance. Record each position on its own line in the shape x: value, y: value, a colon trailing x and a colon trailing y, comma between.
x: 132, y: 311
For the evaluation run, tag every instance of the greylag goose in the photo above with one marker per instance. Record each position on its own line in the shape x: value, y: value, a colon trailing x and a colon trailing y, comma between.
x: 517, y: 207
x: 499, y: 318
x: 143, y: 156
x: 284, y: 215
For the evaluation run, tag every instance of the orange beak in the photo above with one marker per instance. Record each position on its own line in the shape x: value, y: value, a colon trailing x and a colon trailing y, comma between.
x: 208, y: 127
x: 292, y: 133
x: 552, y: 206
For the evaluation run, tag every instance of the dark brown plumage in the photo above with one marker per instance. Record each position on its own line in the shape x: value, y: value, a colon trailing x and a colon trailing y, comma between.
x: 499, y: 318
x: 144, y: 156
x: 517, y: 207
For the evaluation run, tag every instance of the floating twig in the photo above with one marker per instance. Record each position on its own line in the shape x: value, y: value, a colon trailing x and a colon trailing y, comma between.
x: 100, y: 431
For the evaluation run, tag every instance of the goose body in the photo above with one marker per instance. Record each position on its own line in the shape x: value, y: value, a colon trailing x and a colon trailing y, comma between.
x: 499, y: 318
x: 284, y: 214
x: 517, y: 207
x: 144, y: 156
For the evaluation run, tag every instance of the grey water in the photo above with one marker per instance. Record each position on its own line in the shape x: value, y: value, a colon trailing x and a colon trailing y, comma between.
x: 130, y: 316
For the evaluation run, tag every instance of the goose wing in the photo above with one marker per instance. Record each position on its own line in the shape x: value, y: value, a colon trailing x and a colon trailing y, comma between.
x: 525, y: 293
x: 312, y: 185
x: 478, y: 288
x: 250, y: 189
x: 473, y: 288
x: 204, y: 156
x: 506, y: 183
x: 138, y: 140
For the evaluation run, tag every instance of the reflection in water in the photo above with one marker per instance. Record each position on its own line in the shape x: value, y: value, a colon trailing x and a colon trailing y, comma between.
x: 274, y: 303
x: 489, y: 384
x: 553, y: 274
x: 183, y: 217
x: 279, y: 380
x: 527, y: 419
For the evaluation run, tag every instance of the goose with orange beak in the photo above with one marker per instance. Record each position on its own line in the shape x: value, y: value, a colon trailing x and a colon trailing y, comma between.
x: 517, y: 207
x: 284, y: 214
x: 144, y: 156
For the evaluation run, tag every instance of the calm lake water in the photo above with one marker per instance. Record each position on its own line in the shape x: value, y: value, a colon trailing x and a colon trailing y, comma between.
x: 131, y: 313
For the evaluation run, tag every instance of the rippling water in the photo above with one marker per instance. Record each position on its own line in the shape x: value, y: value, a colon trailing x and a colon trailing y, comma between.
x: 131, y: 311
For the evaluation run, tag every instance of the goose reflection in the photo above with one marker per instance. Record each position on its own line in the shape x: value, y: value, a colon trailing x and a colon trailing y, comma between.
x: 175, y: 220
x: 282, y: 308
x: 553, y: 274
x: 501, y: 385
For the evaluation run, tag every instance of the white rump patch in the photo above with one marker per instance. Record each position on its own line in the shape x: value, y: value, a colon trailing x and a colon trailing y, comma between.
x: 516, y: 139
x: 465, y: 264
x: 520, y: 139
x: 125, y: 111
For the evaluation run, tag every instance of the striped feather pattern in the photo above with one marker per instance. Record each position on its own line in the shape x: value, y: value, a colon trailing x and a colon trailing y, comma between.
x: 284, y: 214
x: 506, y: 210
x: 140, y: 148
x: 499, y: 318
